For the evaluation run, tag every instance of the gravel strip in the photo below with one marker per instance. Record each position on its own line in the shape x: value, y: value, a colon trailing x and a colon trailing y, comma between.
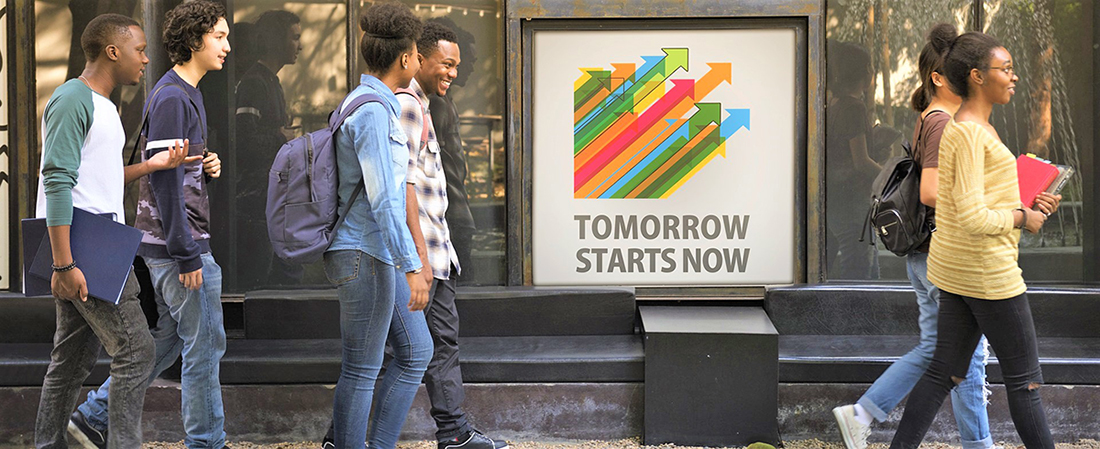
x: 620, y: 444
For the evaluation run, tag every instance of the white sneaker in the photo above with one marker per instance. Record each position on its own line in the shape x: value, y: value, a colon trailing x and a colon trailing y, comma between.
x: 854, y: 432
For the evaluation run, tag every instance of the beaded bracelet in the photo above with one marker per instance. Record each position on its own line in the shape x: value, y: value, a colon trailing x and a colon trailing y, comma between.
x: 57, y: 269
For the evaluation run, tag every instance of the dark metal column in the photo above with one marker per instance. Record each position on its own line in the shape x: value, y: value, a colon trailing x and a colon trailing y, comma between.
x: 1091, y: 167
x: 22, y: 126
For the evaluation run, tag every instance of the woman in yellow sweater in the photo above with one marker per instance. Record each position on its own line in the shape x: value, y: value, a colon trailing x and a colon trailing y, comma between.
x: 973, y: 256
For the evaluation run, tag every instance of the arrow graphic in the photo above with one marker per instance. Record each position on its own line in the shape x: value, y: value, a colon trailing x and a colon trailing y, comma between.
x: 598, y: 79
x: 626, y: 160
x: 738, y: 118
x: 621, y: 140
x: 619, y: 102
x: 635, y: 135
x: 622, y: 73
x: 699, y: 140
x: 635, y: 176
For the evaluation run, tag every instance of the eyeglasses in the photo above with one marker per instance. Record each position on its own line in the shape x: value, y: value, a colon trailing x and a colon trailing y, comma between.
x: 1008, y: 69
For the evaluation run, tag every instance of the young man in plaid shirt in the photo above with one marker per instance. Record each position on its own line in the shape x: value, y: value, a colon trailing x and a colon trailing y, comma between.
x: 427, y: 207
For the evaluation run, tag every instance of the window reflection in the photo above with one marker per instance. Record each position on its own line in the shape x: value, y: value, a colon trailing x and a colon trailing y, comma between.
x: 263, y: 125
x: 469, y: 124
x: 1051, y: 116
x: 291, y: 71
x: 849, y: 165
x: 871, y: 71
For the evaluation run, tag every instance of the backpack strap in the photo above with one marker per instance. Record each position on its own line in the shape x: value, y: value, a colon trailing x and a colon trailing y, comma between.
x: 424, y: 128
x: 145, y: 117
x: 912, y: 151
x: 335, y: 122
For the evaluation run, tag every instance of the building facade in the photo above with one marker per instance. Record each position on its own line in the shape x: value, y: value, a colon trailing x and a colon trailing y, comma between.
x: 864, y: 50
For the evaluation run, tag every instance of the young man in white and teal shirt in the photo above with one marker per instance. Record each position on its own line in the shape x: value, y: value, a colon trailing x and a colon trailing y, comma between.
x: 83, y: 142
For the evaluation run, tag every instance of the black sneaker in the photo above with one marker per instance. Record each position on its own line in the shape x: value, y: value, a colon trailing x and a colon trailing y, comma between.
x: 84, y: 434
x: 329, y: 441
x: 473, y: 440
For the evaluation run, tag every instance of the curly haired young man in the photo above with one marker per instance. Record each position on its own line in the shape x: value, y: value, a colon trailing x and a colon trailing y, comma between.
x: 174, y: 212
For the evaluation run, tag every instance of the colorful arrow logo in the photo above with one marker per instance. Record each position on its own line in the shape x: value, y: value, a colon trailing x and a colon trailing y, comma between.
x: 634, y: 132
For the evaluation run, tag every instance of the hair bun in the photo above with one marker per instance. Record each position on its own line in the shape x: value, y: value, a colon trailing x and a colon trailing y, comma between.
x: 941, y: 36
x: 390, y: 20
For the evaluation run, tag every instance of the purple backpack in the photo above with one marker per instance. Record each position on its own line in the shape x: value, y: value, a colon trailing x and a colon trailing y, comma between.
x: 301, y: 191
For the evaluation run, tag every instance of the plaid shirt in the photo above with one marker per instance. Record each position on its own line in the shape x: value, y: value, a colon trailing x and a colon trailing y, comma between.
x: 426, y: 175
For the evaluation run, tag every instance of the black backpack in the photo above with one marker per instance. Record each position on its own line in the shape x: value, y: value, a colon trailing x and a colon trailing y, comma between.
x: 896, y: 214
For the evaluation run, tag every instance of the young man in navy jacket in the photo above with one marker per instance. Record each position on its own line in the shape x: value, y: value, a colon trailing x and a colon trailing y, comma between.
x: 174, y: 212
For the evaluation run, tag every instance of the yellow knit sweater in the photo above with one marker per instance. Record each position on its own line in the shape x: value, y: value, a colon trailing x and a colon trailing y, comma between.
x: 975, y: 247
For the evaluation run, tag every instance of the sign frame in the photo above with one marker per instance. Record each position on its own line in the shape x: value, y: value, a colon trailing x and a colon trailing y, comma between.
x: 805, y: 18
x: 740, y: 79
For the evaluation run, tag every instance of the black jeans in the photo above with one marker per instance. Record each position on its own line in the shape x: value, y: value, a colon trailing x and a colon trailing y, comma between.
x: 1010, y: 330
x: 443, y: 380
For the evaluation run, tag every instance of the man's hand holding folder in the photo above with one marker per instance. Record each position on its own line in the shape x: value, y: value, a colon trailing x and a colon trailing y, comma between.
x: 68, y: 284
x: 103, y: 248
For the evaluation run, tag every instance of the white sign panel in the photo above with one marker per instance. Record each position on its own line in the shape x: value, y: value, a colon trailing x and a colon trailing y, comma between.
x: 664, y: 157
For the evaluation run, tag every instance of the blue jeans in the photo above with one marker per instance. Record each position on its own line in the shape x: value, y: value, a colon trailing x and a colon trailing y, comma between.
x: 374, y: 300
x: 967, y: 399
x: 189, y: 323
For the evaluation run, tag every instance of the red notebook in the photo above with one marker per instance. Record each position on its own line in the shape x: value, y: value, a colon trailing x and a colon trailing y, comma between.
x: 1034, y: 177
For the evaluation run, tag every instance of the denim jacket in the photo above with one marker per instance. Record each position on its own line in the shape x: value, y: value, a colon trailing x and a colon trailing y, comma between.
x: 372, y: 146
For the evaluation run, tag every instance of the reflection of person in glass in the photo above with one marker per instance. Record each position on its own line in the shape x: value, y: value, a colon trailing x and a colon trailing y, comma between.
x: 373, y: 247
x: 263, y: 126
x: 453, y: 155
x: 849, y: 168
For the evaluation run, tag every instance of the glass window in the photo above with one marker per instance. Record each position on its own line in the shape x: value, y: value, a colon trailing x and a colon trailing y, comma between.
x: 58, y: 58
x: 470, y: 127
x: 290, y: 71
x: 1052, y: 116
x: 871, y: 71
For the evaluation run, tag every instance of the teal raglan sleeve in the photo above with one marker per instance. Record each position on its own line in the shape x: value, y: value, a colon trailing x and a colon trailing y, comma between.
x: 68, y: 118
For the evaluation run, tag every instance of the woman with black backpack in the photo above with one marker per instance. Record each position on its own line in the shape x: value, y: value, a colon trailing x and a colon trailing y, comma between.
x: 974, y: 251
x: 935, y: 102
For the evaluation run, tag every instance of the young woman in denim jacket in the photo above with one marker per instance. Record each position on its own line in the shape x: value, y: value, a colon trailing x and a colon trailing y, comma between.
x: 373, y: 247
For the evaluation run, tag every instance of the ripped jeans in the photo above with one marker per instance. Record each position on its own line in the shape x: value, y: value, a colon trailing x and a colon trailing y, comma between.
x: 1008, y: 325
x: 967, y: 399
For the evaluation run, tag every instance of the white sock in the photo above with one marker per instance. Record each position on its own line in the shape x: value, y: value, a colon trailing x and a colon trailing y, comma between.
x: 862, y: 415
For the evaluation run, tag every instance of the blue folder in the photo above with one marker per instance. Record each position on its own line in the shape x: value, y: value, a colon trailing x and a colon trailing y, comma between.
x: 103, y: 249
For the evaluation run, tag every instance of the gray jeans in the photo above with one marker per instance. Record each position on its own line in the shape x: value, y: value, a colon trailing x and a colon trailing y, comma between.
x: 443, y: 380
x: 81, y: 328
